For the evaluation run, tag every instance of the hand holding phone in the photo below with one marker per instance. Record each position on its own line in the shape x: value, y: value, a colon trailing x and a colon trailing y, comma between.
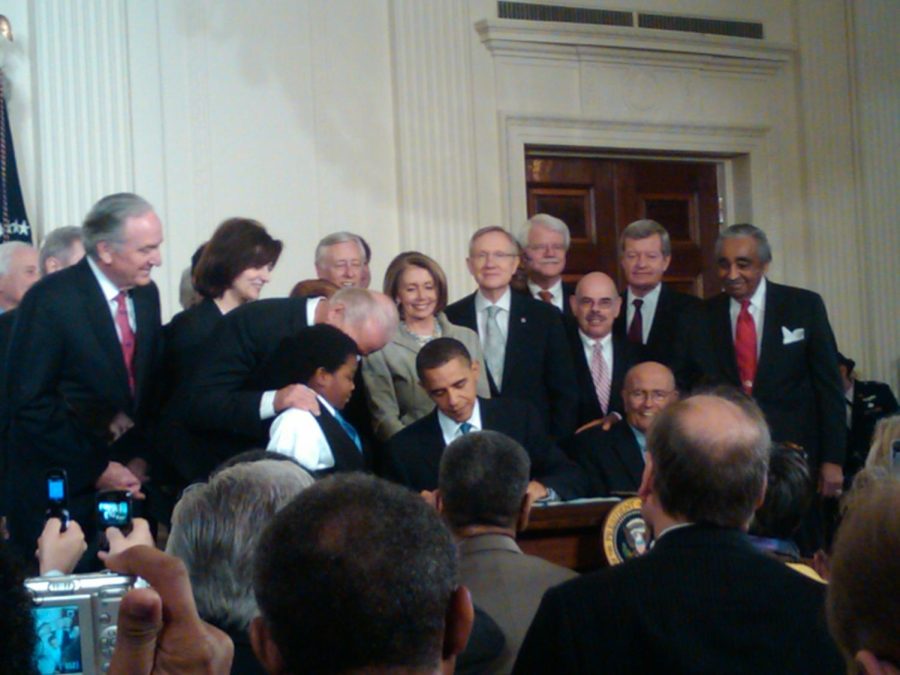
x: 113, y: 510
x: 58, y: 497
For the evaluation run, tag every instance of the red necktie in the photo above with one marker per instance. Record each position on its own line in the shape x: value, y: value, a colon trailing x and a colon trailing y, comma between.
x: 126, y: 336
x: 546, y: 296
x: 636, y: 329
x: 745, y: 347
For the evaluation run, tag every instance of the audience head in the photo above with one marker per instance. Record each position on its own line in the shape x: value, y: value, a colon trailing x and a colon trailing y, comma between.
x: 17, y: 631
x: 369, y: 317
x: 742, y: 259
x: 18, y: 272
x: 250, y: 456
x: 62, y: 248
x: 417, y: 284
x: 358, y: 574
x: 449, y: 376
x: 322, y: 357
x: 707, y: 458
x: 123, y: 236
x: 880, y: 452
x: 648, y: 388
x: 545, y: 241
x: 595, y: 305
x: 864, y: 588
x: 493, y: 259
x: 789, y: 494
x: 483, y: 481
x: 314, y: 288
x: 343, y: 259
x: 237, y: 261
x: 215, y: 529
x: 645, y: 252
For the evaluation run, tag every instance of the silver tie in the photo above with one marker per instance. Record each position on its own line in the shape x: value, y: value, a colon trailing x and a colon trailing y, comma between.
x: 494, y: 346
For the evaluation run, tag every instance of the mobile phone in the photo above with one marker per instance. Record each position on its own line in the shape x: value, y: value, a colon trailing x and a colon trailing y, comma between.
x: 113, y: 510
x: 58, y: 497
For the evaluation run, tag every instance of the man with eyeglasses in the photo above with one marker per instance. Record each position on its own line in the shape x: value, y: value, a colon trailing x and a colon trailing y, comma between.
x: 524, y: 342
x: 601, y: 358
x: 652, y: 310
x: 343, y: 259
x: 615, y: 459
x: 545, y: 240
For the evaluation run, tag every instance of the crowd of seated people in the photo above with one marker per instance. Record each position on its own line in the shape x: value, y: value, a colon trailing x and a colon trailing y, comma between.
x: 473, y: 411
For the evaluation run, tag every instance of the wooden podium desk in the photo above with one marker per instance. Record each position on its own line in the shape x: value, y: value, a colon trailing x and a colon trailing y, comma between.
x: 568, y: 533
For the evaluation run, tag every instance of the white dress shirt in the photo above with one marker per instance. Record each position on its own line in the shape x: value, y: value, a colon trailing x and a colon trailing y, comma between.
x: 481, y: 305
x: 606, y: 350
x: 648, y: 310
x: 451, y: 428
x: 757, y: 310
x: 556, y: 290
x: 111, y: 292
x: 297, y: 434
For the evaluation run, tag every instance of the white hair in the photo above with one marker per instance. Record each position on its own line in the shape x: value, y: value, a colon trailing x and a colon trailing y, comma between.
x: 544, y: 220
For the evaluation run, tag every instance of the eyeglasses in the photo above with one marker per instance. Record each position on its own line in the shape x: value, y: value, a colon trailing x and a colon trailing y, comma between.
x: 348, y: 264
x: 550, y: 248
x: 602, y: 303
x: 657, y: 395
x: 499, y: 256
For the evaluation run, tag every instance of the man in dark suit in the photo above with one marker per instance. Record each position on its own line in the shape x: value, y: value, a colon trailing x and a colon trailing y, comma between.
x: 524, y: 341
x: 545, y: 241
x: 652, y: 309
x: 449, y: 376
x: 82, y: 370
x: 614, y: 459
x: 223, y: 407
x: 775, y: 343
x: 601, y: 358
x: 703, y: 600
x: 867, y: 402
x: 483, y: 497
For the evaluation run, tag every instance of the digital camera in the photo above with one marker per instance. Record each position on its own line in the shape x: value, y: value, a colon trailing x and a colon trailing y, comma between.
x: 75, y: 620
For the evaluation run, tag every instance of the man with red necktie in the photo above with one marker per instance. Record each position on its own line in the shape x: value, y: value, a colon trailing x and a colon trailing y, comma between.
x: 776, y: 344
x: 82, y: 383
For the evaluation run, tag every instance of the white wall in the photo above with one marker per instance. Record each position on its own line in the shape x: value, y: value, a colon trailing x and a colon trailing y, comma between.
x: 399, y: 120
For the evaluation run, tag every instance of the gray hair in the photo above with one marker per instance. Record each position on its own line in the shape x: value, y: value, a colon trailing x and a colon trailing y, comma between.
x: 215, y: 529
x: 480, y: 232
x: 361, y: 306
x: 746, y: 230
x: 106, y: 219
x: 339, y: 238
x: 641, y: 229
x: 7, y: 251
x: 58, y: 245
x: 483, y: 478
x: 544, y: 220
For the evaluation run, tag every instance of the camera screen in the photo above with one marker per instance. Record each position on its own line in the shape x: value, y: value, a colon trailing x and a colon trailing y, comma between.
x: 113, y: 514
x: 58, y: 647
x: 56, y: 489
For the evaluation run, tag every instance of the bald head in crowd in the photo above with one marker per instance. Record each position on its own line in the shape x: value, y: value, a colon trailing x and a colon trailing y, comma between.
x: 369, y: 317
x: 596, y: 304
x: 18, y: 272
x: 358, y: 575
x: 649, y: 387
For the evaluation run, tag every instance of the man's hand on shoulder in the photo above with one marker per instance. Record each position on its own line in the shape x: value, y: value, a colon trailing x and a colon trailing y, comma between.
x: 296, y: 396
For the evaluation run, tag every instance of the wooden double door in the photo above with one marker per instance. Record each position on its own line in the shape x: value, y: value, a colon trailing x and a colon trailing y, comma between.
x: 598, y: 197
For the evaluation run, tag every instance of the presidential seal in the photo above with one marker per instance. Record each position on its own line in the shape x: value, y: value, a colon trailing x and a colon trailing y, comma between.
x: 625, y: 534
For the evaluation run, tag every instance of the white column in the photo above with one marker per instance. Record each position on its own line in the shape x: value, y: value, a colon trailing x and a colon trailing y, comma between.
x: 435, y: 159
x: 830, y: 174
x: 876, y: 70
x: 82, y: 104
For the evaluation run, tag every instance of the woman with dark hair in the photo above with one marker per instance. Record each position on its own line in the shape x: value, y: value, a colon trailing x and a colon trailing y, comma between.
x: 419, y: 287
x: 324, y: 359
x: 234, y: 266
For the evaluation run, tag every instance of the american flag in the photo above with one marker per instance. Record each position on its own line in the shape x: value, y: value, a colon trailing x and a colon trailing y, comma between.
x: 12, y: 208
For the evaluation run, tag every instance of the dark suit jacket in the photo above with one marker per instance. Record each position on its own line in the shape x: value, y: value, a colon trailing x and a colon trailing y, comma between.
x: 568, y: 290
x: 611, y: 459
x: 414, y: 452
x: 797, y: 384
x: 871, y: 402
x: 347, y: 456
x: 537, y: 365
x: 670, y: 310
x: 185, y: 339
x: 624, y: 357
x: 67, y: 380
x: 701, y: 601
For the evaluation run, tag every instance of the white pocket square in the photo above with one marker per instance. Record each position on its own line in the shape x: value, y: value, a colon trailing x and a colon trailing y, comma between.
x: 789, y: 336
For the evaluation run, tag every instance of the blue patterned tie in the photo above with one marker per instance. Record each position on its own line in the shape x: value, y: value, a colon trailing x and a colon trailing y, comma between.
x: 351, y: 432
x: 465, y: 428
